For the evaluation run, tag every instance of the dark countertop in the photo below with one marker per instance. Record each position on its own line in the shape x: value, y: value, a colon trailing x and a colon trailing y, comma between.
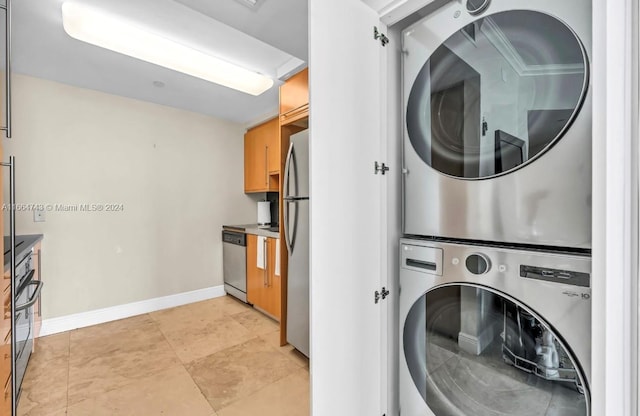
x: 23, y: 244
x: 273, y: 232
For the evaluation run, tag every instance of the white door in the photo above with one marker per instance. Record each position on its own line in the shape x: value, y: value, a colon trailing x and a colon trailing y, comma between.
x: 345, y: 209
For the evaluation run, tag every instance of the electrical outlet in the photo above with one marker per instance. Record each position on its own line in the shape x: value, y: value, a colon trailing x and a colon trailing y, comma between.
x: 38, y: 215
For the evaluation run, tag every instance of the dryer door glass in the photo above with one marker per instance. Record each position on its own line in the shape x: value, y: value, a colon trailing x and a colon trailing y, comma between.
x: 497, y: 94
x: 471, y: 351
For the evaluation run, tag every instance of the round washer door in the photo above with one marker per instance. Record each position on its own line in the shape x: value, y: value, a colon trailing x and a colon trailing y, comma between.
x: 497, y: 94
x: 473, y: 351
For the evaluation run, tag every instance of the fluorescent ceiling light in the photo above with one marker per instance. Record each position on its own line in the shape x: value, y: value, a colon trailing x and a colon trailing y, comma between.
x: 97, y: 28
x: 252, y: 4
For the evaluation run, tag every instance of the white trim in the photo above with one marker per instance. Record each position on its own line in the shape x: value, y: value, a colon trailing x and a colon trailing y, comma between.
x: 612, y: 357
x: 113, y: 313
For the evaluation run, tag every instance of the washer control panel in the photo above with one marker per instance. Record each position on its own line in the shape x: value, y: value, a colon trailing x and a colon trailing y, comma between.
x: 568, y: 277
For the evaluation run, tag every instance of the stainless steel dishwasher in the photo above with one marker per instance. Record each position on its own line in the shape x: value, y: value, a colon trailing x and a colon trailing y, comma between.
x: 234, y: 259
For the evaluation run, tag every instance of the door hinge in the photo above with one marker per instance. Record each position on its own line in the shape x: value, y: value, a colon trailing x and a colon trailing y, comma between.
x: 380, y: 167
x: 379, y: 35
x: 380, y: 295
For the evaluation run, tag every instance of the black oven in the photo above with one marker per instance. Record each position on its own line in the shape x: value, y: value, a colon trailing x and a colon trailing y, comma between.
x: 27, y: 293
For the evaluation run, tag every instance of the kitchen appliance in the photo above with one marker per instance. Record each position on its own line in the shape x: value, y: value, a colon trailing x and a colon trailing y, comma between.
x: 264, y: 213
x: 493, y: 331
x: 24, y: 315
x: 497, y: 132
x: 296, y: 233
x: 27, y: 294
x: 234, y: 263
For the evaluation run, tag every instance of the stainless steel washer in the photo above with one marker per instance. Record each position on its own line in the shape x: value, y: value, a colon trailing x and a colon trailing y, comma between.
x: 488, y: 331
x: 497, y: 137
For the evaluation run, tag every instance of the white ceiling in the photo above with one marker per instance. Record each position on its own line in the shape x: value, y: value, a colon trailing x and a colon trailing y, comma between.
x: 270, y: 40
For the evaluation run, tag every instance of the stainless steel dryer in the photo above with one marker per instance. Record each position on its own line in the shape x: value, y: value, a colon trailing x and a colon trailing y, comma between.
x: 488, y: 331
x: 497, y: 137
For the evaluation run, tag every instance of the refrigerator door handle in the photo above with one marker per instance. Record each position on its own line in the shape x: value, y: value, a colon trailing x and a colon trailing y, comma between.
x: 295, y: 225
x: 287, y: 167
x: 285, y: 191
x: 286, y: 227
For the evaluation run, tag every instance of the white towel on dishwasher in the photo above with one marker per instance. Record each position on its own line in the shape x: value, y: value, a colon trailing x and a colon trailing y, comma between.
x: 277, y: 272
x: 261, y: 259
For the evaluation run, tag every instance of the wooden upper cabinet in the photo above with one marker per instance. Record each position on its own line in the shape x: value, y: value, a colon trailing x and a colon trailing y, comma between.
x: 294, y: 98
x: 273, y: 149
x: 262, y: 157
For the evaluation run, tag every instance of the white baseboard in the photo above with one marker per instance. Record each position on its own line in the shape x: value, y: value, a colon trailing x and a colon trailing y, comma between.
x: 113, y: 313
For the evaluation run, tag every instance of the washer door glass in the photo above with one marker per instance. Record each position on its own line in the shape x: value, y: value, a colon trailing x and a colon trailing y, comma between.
x: 471, y: 351
x: 497, y: 94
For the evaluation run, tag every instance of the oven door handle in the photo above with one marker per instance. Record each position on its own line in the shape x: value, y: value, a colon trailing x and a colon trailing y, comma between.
x: 34, y: 298
x: 24, y: 283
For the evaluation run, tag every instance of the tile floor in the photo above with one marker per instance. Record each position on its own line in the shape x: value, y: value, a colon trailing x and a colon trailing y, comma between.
x: 213, y: 358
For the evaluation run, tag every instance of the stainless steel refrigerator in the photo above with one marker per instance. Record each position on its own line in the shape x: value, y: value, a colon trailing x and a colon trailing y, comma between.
x: 296, y: 233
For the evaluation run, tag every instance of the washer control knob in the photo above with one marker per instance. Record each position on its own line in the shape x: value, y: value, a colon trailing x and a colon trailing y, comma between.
x: 455, y: 261
x: 478, y: 263
x: 502, y: 268
x: 477, y: 6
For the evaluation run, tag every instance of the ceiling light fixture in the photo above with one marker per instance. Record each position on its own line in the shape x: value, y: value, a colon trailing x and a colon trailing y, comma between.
x: 252, y: 4
x: 107, y: 31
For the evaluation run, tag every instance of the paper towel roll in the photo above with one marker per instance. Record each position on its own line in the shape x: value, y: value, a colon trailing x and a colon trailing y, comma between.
x: 264, y: 213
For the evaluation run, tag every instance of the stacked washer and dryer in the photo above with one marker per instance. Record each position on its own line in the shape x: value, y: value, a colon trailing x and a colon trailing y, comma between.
x: 495, y: 277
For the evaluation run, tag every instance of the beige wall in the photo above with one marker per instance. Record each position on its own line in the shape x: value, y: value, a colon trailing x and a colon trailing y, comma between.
x: 179, y: 176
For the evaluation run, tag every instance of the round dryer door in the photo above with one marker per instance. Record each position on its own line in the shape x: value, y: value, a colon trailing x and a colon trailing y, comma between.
x: 497, y: 94
x: 471, y: 351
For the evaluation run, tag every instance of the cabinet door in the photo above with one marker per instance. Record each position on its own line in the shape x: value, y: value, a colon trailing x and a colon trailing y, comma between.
x: 294, y: 94
x: 272, y: 142
x: 5, y: 401
x: 5, y: 335
x: 5, y: 345
x: 346, y: 217
x: 263, y: 286
x: 272, y: 289
x: 255, y: 275
x: 255, y: 161
x: 262, y: 157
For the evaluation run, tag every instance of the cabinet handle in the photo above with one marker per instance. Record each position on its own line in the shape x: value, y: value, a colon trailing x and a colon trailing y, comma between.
x: 7, y: 9
x: 291, y: 114
x: 265, y: 271
x: 266, y: 166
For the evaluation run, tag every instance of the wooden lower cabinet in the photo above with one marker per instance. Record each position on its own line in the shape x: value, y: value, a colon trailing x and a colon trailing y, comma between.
x: 5, y: 348
x: 263, y: 285
x: 5, y: 403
